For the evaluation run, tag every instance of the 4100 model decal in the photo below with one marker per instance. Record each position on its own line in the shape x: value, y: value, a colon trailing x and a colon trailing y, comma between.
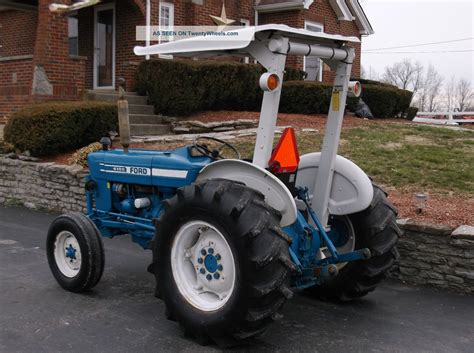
x: 167, y: 173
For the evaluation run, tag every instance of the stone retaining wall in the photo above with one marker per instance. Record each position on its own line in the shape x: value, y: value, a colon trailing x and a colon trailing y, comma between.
x: 196, y: 127
x: 429, y: 254
x: 436, y: 255
x: 42, y: 185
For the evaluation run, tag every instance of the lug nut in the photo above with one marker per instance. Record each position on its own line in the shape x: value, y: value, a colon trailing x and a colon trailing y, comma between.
x: 200, y: 260
x: 203, y: 252
x: 220, y: 268
x: 209, y: 277
x: 210, y: 250
x: 216, y: 275
x: 203, y: 271
x: 218, y: 257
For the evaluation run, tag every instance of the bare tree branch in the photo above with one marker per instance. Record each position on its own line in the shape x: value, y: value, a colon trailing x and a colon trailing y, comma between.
x: 464, y: 94
x: 405, y: 75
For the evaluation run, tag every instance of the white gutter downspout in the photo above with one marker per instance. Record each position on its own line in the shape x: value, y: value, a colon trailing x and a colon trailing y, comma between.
x: 148, y: 24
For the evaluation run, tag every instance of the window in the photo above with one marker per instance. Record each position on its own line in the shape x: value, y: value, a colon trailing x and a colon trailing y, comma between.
x: 166, y: 18
x: 73, y: 35
x: 245, y: 23
x: 312, y: 64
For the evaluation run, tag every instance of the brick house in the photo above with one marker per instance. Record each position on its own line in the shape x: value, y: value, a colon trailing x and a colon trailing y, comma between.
x: 47, y: 55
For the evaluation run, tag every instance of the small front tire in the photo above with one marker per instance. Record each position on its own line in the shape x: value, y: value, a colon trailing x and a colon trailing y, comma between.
x: 75, y: 252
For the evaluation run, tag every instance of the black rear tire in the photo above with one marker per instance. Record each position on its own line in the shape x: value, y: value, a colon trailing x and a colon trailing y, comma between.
x: 90, y: 248
x: 375, y: 228
x: 260, y: 252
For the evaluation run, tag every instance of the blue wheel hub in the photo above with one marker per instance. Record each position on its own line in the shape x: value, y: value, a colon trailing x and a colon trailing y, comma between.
x: 71, y: 252
x: 211, y: 263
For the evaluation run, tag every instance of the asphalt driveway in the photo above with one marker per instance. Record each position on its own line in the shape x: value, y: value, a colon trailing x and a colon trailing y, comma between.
x: 122, y: 315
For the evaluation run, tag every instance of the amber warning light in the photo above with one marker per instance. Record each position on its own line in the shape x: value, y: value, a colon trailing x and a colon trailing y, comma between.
x: 269, y: 81
x: 354, y: 89
x: 285, y: 157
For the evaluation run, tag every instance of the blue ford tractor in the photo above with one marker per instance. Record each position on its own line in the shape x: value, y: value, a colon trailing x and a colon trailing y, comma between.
x: 233, y: 239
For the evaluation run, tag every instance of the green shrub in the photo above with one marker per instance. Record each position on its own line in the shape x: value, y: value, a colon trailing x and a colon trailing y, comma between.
x: 183, y: 87
x: 51, y: 128
x: 383, y: 99
x: 403, y: 102
x: 411, y: 112
x: 305, y: 97
x: 309, y: 97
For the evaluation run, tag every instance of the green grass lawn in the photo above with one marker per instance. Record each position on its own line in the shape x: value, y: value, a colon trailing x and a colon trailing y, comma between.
x: 430, y: 158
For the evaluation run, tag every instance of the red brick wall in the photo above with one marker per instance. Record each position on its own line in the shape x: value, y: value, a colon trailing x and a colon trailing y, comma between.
x: 198, y: 15
x: 66, y: 74
x: 44, y: 35
x: 70, y: 76
x: 15, y: 86
x: 128, y: 16
x: 17, y: 33
x: 322, y: 12
x: 86, y: 42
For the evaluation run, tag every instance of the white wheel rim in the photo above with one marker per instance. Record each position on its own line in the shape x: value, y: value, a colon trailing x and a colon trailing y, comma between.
x: 67, y: 254
x: 203, y: 265
x: 349, y: 246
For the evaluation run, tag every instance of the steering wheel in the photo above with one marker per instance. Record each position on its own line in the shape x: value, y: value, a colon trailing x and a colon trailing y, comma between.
x: 213, y: 154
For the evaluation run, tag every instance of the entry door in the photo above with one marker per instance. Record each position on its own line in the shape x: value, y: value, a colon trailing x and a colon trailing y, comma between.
x: 104, y: 46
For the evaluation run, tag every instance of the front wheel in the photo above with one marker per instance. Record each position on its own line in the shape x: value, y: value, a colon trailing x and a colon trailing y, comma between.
x: 221, y: 261
x: 75, y: 252
x: 374, y: 228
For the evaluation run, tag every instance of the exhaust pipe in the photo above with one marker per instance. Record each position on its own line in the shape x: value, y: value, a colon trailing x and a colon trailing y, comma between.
x: 124, y: 120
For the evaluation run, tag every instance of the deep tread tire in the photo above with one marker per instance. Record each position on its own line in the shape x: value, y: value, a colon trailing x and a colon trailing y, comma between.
x: 91, y: 247
x: 375, y: 228
x: 261, y: 256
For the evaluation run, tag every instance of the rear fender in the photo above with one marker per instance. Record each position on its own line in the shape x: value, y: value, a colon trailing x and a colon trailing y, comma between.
x: 351, y: 189
x: 276, y: 193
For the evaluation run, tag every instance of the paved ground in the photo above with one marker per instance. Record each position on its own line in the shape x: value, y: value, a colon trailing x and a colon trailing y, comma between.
x: 121, y: 315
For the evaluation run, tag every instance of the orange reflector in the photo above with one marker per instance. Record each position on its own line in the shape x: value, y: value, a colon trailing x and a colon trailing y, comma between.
x: 285, y: 156
x: 272, y: 82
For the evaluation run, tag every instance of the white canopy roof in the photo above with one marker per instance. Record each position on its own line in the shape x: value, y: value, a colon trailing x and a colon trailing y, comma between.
x: 207, y: 46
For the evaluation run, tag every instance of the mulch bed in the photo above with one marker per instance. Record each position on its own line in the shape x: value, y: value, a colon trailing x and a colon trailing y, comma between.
x: 317, y: 121
x: 452, y: 210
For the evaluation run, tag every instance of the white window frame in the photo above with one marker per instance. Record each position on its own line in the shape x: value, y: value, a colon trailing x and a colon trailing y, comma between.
x: 170, y: 6
x: 245, y: 23
x: 107, y: 6
x: 319, y: 25
x: 73, y: 14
